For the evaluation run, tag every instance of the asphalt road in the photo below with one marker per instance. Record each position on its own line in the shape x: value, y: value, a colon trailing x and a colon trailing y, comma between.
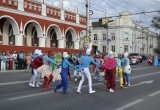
x: 144, y: 93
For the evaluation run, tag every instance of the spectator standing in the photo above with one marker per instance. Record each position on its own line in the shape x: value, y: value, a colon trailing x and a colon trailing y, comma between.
x: 14, y: 56
x: 28, y: 58
x: 21, y: 60
x: 3, y: 62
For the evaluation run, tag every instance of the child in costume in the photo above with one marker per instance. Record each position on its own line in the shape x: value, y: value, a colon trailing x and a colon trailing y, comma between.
x: 45, y: 72
x: 119, y: 69
x: 64, y: 74
x: 56, y: 71
x: 126, y: 69
x: 78, y: 66
x: 97, y: 71
x: 85, y: 63
x: 36, y: 63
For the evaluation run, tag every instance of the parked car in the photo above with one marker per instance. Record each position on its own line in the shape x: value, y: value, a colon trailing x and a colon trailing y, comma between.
x: 135, y: 58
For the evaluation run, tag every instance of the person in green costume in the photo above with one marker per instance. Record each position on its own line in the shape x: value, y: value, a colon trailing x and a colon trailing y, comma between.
x: 56, y: 71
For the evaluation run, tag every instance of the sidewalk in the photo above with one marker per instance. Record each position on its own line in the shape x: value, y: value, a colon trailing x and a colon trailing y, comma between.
x: 9, y: 71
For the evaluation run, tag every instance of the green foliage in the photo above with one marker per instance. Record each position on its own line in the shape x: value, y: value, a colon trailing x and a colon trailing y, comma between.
x: 157, y: 50
x: 156, y: 22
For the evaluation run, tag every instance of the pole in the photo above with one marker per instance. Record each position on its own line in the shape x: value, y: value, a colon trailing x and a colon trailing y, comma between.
x: 87, y: 19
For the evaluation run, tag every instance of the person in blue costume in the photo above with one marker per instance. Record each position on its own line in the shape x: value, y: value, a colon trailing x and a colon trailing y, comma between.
x: 85, y: 63
x: 64, y: 74
x: 156, y: 60
x: 126, y: 69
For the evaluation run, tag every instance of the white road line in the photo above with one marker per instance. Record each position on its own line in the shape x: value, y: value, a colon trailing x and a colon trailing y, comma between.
x: 153, y: 94
x: 140, y: 68
x: 148, y: 74
x: 130, y: 104
x: 30, y: 95
x: 16, y: 82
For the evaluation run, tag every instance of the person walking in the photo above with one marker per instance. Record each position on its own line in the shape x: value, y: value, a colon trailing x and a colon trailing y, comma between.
x: 85, y: 63
x: 64, y: 74
x: 110, y: 71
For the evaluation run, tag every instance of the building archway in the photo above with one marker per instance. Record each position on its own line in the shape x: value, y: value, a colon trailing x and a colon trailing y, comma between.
x: 53, y: 35
x: 33, y: 33
x: 71, y: 39
x: 9, y: 30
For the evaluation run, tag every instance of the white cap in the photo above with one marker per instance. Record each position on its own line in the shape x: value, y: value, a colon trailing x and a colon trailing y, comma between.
x: 126, y: 54
x: 65, y: 55
x: 110, y: 54
x: 40, y: 52
x: 36, y: 51
x: 88, y: 51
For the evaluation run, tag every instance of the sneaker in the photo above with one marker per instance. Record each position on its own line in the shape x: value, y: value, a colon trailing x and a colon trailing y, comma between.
x: 79, y: 92
x: 64, y: 92
x: 40, y: 83
x: 129, y: 85
x: 32, y: 85
x: 121, y: 86
x: 111, y: 90
x: 37, y: 85
x: 75, y: 79
x: 92, y: 92
x: 55, y: 89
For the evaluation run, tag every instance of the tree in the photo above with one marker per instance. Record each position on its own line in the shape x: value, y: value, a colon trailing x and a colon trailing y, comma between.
x: 156, y: 22
x: 156, y: 25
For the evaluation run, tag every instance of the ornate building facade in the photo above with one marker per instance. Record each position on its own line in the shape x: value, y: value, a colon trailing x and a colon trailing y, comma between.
x: 33, y: 24
x: 122, y: 34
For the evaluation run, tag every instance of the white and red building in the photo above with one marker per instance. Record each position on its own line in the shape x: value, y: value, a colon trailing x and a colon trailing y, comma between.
x: 33, y: 24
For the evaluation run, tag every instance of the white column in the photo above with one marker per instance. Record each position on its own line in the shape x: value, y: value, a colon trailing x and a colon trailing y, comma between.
x: 41, y: 41
x: 61, y: 43
x: 76, y: 44
x: 29, y: 41
x: 43, y: 12
x: 77, y: 18
x: 5, y: 39
x: 19, y: 39
x: 21, y: 5
x: 62, y: 15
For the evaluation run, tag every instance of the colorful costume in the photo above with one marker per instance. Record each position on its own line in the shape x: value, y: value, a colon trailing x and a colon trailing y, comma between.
x: 126, y: 69
x: 37, y: 62
x: 64, y: 73
x: 97, y: 71
x: 56, y: 71
x: 155, y: 60
x: 45, y: 72
x: 110, y: 75
x: 119, y: 69
x: 85, y: 62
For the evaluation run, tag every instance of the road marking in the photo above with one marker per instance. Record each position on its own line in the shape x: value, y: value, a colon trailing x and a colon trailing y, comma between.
x: 145, y: 75
x: 145, y: 82
x: 16, y: 82
x: 30, y: 95
x: 140, y: 68
x: 130, y: 104
x: 153, y: 94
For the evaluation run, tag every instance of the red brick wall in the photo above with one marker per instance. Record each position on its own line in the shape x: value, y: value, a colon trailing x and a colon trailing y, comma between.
x: 25, y: 49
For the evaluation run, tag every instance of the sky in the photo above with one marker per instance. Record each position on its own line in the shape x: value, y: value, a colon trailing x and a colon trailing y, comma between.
x: 102, y: 8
